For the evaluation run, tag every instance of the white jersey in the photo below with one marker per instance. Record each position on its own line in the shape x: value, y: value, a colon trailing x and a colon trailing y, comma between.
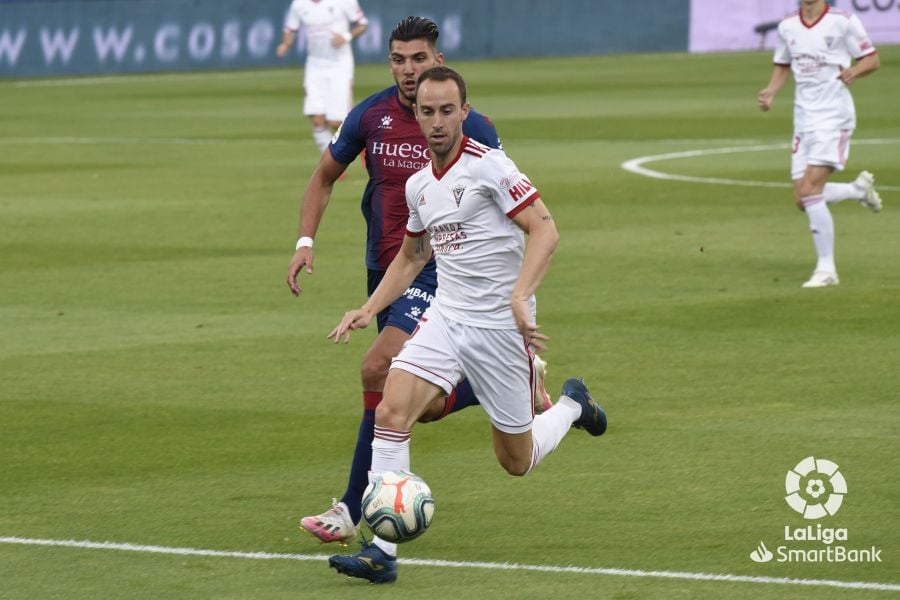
x: 321, y: 20
x: 816, y: 52
x: 467, y: 209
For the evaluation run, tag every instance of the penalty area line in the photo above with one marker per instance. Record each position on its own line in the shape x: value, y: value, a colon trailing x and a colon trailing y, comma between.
x: 89, y: 545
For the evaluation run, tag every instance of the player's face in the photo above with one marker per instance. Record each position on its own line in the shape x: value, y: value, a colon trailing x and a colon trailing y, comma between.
x: 441, y: 113
x: 409, y: 60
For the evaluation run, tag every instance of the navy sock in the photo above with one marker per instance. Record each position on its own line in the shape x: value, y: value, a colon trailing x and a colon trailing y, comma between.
x: 362, y: 458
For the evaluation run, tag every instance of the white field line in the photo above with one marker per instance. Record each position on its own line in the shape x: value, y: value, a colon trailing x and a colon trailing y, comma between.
x: 85, y: 544
x: 636, y: 165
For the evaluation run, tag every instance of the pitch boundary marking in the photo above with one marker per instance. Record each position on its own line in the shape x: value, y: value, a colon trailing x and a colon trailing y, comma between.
x: 90, y: 545
x: 636, y: 165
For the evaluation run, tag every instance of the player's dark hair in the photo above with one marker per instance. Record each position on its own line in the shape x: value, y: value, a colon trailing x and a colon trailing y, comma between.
x: 443, y: 73
x: 415, y: 28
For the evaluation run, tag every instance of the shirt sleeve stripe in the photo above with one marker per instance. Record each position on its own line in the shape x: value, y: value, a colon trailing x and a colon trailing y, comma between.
x: 524, y: 204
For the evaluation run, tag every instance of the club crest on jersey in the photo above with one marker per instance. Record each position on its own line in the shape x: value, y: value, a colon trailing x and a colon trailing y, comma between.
x: 458, y: 191
x: 829, y: 40
x: 386, y: 122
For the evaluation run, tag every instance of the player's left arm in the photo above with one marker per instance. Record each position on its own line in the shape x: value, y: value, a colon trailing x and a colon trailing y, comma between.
x: 537, y: 222
x: 860, y: 47
x: 357, y: 19
x: 864, y: 66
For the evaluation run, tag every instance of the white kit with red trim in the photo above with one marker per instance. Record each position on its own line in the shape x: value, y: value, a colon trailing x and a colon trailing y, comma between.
x: 467, y: 210
x: 816, y: 53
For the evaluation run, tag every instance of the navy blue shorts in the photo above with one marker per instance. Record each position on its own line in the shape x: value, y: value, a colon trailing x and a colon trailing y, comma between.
x: 406, y: 310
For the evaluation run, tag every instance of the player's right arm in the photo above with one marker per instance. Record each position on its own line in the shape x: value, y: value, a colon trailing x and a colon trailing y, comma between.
x: 312, y: 208
x: 292, y: 22
x: 781, y: 72
x: 287, y: 40
x: 414, y: 254
x: 780, y: 76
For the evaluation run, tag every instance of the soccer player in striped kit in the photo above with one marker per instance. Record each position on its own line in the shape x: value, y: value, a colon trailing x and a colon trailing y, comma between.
x: 818, y: 43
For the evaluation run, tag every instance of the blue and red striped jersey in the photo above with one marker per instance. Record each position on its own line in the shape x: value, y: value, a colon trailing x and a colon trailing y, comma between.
x: 395, y: 149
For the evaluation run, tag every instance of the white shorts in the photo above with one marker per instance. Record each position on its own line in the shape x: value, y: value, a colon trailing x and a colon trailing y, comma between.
x: 497, y: 363
x: 328, y: 92
x: 827, y: 148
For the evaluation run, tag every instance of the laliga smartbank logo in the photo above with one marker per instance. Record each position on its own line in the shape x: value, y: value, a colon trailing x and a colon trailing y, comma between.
x: 815, y: 489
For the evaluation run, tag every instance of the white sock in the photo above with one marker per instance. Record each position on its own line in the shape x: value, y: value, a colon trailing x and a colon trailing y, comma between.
x: 322, y: 137
x: 551, y: 427
x: 822, y: 227
x: 836, y: 192
x: 390, y: 452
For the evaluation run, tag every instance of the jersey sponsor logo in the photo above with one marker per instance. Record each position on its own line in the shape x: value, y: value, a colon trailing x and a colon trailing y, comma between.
x: 521, y: 189
x: 458, y: 191
x: 404, y: 150
x: 421, y: 200
x: 447, y: 238
x: 809, y: 64
x: 402, y: 156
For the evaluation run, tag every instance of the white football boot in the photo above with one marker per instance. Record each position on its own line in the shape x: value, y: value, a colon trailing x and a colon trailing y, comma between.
x: 822, y: 279
x: 866, y: 182
x: 333, y: 525
x: 542, y: 400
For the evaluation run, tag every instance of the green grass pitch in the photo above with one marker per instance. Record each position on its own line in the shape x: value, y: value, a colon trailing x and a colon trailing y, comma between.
x: 160, y: 386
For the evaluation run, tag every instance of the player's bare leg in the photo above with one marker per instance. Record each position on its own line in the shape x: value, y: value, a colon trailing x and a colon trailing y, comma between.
x: 339, y: 523
x: 519, y: 453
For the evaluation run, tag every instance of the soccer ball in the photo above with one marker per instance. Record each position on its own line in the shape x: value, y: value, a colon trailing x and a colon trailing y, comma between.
x: 398, y: 506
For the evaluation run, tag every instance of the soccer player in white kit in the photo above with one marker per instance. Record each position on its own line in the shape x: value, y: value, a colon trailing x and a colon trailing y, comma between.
x: 817, y: 43
x: 475, y: 208
x: 328, y: 76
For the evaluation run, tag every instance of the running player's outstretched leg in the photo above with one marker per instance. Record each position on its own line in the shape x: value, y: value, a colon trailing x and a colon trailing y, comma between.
x: 340, y: 522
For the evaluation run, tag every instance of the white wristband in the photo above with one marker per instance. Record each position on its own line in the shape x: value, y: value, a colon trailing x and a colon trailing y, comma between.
x: 348, y: 36
x: 304, y: 242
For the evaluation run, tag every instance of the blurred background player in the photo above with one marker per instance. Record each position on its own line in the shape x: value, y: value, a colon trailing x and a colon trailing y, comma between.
x: 492, y: 238
x: 385, y: 127
x: 329, y: 26
x: 818, y: 44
